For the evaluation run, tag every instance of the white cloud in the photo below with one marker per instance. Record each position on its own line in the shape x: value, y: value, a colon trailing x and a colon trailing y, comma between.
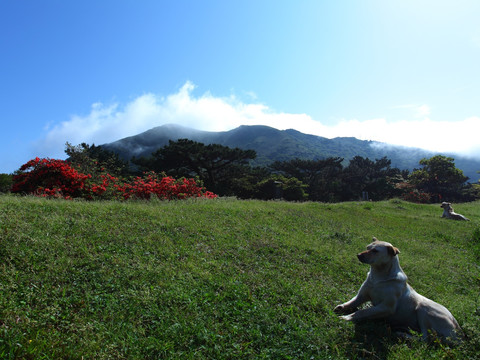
x: 423, y: 110
x: 107, y: 123
x: 418, y: 111
x: 460, y: 137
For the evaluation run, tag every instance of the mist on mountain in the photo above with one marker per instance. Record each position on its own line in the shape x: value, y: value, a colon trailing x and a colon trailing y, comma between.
x: 272, y: 145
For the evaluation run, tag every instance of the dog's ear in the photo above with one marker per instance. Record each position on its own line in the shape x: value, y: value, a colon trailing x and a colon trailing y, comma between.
x: 374, y: 239
x: 393, y: 251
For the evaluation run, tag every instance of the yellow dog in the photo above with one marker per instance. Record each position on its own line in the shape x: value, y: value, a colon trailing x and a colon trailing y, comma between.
x: 396, y: 301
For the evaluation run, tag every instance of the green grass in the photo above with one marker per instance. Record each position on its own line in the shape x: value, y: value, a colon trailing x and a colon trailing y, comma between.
x: 221, y: 279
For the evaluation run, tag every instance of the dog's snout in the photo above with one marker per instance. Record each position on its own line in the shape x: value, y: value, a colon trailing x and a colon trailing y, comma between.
x: 361, y: 256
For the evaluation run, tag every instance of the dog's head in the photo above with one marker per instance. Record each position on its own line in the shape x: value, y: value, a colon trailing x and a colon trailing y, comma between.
x: 446, y: 205
x: 378, y: 253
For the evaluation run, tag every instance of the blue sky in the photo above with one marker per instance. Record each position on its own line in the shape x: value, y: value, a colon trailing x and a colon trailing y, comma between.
x: 403, y: 72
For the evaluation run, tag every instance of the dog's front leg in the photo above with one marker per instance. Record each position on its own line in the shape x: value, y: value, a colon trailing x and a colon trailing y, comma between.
x: 351, y: 305
x: 379, y: 311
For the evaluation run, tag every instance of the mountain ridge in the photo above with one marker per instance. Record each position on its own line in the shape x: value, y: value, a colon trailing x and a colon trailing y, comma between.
x: 272, y: 144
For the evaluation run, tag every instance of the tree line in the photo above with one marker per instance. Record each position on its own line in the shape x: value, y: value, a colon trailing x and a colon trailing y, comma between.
x: 227, y: 172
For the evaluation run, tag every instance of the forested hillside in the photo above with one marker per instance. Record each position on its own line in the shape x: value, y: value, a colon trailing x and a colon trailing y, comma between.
x: 282, y: 145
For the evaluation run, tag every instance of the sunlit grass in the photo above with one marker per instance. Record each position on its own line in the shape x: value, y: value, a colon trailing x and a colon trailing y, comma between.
x: 221, y: 279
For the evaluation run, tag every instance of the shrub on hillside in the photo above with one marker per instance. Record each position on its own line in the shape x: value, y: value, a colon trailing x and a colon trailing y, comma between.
x: 417, y: 197
x: 277, y: 186
x: 5, y: 182
x: 49, y: 177
x: 57, y: 178
x: 165, y: 188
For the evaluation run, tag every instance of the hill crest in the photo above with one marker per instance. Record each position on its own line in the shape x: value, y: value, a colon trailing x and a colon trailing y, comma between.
x: 272, y: 144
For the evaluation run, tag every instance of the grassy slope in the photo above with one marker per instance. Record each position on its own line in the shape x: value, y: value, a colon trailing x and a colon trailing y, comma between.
x: 220, y: 279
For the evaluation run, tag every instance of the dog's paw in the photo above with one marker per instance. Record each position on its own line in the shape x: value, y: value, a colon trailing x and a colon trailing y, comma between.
x: 348, y: 317
x: 342, y: 309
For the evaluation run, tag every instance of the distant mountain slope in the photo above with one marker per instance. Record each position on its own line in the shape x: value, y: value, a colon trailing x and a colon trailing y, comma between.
x: 272, y: 144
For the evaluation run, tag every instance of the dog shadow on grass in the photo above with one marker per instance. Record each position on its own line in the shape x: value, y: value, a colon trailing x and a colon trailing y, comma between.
x: 373, y: 340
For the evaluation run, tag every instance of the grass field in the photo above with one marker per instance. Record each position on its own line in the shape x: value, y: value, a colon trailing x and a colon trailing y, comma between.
x: 221, y: 279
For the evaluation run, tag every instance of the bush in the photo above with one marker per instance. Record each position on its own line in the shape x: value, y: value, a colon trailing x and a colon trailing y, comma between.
x: 57, y: 178
x: 165, y: 188
x: 417, y: 197
x: 5, y: 182
x: 277, y: 186
x: 49, y: 178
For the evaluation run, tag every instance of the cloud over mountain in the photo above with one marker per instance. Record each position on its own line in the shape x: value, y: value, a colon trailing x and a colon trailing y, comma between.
x: 109, y: 122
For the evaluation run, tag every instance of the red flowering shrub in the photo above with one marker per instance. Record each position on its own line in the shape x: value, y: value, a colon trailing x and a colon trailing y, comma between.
x: 56, y: 178
x: 104, y: 186
x: 49, y: 177
x: 417, y: 196
x: 165, y: 188
x: 412, y: 194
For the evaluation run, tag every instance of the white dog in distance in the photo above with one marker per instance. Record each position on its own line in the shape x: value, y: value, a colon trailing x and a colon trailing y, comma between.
x: 450, y: 214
